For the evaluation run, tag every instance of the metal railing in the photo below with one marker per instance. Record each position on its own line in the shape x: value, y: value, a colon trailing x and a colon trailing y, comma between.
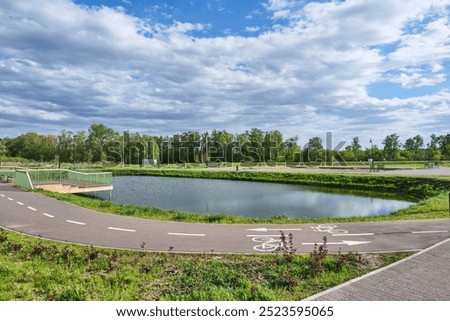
x: 7, y: 175
x: 28, y: 179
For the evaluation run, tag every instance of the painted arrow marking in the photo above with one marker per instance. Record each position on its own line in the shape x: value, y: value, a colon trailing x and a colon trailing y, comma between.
x: 349, y: 243
x: 263, y: 229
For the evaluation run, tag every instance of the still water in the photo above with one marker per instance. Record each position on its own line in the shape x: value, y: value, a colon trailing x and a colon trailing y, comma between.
x: 250, y: 199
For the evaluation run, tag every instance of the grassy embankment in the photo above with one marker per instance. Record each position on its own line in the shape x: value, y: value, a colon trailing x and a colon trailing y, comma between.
x: 33, y: 269
x: 430, y: 194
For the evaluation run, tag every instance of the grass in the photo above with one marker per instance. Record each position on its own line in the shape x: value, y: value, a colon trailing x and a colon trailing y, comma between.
x: 429, y: 193
x: 34, y: 269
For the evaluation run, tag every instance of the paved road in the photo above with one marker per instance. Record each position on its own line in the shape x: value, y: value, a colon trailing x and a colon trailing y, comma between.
x: 37, y: 215
x: 421, y: 277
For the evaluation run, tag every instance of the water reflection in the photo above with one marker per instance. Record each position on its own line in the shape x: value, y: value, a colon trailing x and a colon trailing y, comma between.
x: 250, y: 199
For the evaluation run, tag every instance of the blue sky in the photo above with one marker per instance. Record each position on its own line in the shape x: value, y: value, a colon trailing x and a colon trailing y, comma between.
x: 366, y: 68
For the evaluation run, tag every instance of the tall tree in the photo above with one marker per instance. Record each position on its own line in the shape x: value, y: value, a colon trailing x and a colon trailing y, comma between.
x: 99, y: 137
x: 392, y: 146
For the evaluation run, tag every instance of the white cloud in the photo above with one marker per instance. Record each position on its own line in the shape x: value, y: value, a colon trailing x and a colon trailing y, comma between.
x: 66, y: 66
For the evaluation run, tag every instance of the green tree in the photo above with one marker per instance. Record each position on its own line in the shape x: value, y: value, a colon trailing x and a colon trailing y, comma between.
x: 392, y: 146
x: 221, y: 146
x: 413, y: 147
x: 99, y: 137
x: 273, y: 145
x: 33, y: 146
x: 314, y: 151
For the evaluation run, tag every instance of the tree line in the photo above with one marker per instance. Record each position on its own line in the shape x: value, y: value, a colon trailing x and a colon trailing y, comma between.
x: 103, y: 144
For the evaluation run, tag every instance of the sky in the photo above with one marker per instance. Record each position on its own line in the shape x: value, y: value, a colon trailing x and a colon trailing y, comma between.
x: 365, y: 68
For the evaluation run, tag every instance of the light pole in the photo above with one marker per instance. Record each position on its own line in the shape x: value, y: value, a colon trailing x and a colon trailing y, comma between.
x: 371, y: 148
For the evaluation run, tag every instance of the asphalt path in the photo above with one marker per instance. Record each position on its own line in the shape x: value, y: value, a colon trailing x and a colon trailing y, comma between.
x: 37, y: 215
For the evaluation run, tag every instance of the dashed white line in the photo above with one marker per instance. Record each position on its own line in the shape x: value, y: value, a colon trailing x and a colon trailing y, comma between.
x: 428, y: 232
x: 75, y: 222
x: 32, y: 208
x: 10, y: 199
x: 121, y: 229
x: 356, y: 234
x: 2, y: 195
x: 48, y: 215
x: 185, y: 234
x: 20, y: 203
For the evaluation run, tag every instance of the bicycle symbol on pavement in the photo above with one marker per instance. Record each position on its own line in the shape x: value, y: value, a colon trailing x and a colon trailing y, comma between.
x: 268, y: 243
x: 328, y: 228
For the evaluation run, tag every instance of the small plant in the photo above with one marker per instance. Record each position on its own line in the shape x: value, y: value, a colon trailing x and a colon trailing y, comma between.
x: 38, y: 249
x: 286, y: 247
x: 348, y: 258
x: 318, y: 255
x: 92, y: 253
x: 113, y: 262
x: 3, y: 237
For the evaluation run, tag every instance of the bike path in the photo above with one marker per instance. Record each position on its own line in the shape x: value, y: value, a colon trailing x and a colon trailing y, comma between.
x: 37, y: 215
x: 421, y: 277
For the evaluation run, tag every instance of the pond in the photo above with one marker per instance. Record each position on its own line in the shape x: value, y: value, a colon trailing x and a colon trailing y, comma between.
x: 249, y: 199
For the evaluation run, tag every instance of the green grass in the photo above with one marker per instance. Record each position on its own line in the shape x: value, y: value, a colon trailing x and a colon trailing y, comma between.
x: 430, y: 194
x: 35, y: 269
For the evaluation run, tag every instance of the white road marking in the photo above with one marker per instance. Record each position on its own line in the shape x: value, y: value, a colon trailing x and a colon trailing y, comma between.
x: 357, y: 234
x: 20, y: 203
x: 121, y: 229
x: 349, y: 243
x: 2, y: 195
x: 428, y: 232
x: 48, y: 215
x: 32, y: 208
x: 10, y: 199
x: 75, y: 222
x: 263, y: 229
x: 278, y: 236
x: 185, y: 234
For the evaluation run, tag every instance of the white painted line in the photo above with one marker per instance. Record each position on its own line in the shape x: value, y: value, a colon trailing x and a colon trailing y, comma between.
x: 121, y: 229
x: 75, y: 222
x: 279, y: 236
x: 185, y: 234
x: 32, y: 208
x: 349, y: 243
x: 48, y: 215
x: 10, y: 199
x: 2, y: 195
x: 357, y: 234
x: 428, y: 232
x: 20, y: 203
x: 263, y: 229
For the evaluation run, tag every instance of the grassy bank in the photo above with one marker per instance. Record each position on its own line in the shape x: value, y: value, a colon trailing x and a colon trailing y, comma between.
x: 34, y: 269
x: 430, y: 193
x: 418, y: 187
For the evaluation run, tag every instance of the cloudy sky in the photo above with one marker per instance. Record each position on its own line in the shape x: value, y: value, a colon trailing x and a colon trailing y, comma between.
x: 366, y: 68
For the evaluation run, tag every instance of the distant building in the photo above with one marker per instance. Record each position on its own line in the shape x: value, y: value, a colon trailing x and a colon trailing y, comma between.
x: 152, y: 162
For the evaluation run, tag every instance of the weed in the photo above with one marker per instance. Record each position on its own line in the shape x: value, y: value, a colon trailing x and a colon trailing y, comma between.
x: 3, y: 236
x: 113, y: 261
x: 37, y: 250
x: 318, y: 255
x: 348, y: 258
x: 14, y: 247
x: 286, y: 247
x: 91, y: 253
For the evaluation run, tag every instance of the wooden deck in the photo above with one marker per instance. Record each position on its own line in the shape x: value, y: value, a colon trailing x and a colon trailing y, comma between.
x: 73, y: 189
